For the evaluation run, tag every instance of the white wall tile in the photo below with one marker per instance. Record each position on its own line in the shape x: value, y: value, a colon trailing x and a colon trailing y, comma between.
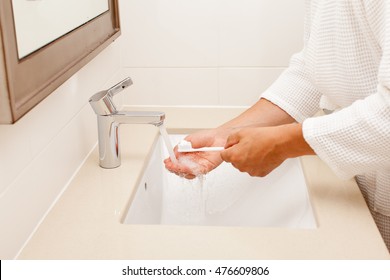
x: 39, y: 154
x: 172, y: 86
x: 38, y: 185
x: 22, y: 141
x: 187, y: 33
x: 169, y: 33
x: 162, y: 38
x: 58, y: 108
x: 196, y: 86
x: 15, y: 152
x: 243, y: 86
x: 260, y: 32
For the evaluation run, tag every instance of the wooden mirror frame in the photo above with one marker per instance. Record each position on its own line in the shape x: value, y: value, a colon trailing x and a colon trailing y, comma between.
x: 25, y: 82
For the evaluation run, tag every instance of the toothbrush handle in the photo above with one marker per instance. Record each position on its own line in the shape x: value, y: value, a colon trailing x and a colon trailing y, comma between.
x: 209, y: 149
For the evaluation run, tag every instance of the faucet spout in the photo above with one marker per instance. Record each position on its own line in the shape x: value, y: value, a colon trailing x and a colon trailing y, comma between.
x: 140, y: 117
x: 109, y: 120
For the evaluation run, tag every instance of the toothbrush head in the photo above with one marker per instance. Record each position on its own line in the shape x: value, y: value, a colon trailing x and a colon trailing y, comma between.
x: 184, y: 146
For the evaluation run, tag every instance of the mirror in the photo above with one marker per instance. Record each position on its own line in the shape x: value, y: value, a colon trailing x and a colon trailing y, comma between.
x: 39, y: 22
x: 37, y: 57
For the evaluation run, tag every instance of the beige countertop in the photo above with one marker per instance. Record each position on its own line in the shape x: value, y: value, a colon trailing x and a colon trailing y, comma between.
x: 85, y: 223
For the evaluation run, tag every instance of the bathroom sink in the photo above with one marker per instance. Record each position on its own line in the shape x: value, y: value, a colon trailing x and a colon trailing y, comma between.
x: 224, y: 197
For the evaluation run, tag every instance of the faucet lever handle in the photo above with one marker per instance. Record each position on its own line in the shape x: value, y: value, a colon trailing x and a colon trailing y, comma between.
x: 102, y: 102
x: 120, y: 86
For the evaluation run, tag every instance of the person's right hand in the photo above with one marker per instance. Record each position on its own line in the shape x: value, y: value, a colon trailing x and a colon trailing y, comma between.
x: 192, y: 164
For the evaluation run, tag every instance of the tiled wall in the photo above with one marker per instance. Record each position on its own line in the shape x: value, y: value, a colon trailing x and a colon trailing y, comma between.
x: 40, y: 153
x: 207, y: 52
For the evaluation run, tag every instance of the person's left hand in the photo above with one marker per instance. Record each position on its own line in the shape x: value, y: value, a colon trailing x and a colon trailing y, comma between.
x: 259, y: 150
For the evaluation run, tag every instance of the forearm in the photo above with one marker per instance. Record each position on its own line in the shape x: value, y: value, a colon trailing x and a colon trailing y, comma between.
x: 262, y: 113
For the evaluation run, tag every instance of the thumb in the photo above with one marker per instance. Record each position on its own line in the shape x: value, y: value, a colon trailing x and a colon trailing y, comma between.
x: 232, y: 140
x: 196, y: 142
x: 227, y: 153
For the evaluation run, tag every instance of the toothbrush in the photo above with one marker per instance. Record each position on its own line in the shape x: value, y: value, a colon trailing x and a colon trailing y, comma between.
x: 186, y: 147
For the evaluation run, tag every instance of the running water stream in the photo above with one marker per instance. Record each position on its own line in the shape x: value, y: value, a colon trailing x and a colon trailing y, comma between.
x: 184, y: 200
x: 168, y: 144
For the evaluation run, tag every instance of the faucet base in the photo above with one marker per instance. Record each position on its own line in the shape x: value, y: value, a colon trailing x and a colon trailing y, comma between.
x: 108, y: 131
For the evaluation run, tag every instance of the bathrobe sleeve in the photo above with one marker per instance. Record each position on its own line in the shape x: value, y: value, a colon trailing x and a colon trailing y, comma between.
x: 294, y: 91
x: 354, y: 140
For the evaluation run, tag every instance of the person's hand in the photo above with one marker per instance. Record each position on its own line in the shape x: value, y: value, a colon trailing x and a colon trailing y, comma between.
x: 192, y: 164
x: 260, y: 150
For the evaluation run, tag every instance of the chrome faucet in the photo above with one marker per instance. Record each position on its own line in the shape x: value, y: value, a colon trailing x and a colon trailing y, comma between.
x: 109, y: 119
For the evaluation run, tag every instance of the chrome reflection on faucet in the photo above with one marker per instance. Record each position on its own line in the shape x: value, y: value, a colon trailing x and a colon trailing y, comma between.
x: 109, y: 119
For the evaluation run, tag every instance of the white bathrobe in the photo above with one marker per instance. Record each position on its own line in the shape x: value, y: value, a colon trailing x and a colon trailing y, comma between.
x: 345, y: 66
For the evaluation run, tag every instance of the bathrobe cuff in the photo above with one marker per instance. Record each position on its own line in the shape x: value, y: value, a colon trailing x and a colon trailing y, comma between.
x: 354, y: 140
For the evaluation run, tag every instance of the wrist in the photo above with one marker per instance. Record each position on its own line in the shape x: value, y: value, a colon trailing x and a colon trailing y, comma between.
x: 293, y: 141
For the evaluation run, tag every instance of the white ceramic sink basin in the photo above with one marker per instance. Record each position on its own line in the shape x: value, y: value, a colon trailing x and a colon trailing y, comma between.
x: 224, y: 197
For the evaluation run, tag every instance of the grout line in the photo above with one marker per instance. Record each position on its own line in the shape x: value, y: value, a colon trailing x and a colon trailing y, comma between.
x: 206, y: 67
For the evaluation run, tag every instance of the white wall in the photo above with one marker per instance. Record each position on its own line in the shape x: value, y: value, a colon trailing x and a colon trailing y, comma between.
x: 40, y: 153
x: 207, y: 52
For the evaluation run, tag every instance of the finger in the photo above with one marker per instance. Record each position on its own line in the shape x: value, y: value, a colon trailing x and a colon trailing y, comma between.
x: 199, y: 141
x: 181, y: 173
x: 189, y: 176
x: 232, y: 140
x: 195, y: 142
x: 171, y: 166
x: 226, y: 154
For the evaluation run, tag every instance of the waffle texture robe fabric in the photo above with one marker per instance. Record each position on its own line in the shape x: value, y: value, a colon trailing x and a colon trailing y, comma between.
x: 345, y: 66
